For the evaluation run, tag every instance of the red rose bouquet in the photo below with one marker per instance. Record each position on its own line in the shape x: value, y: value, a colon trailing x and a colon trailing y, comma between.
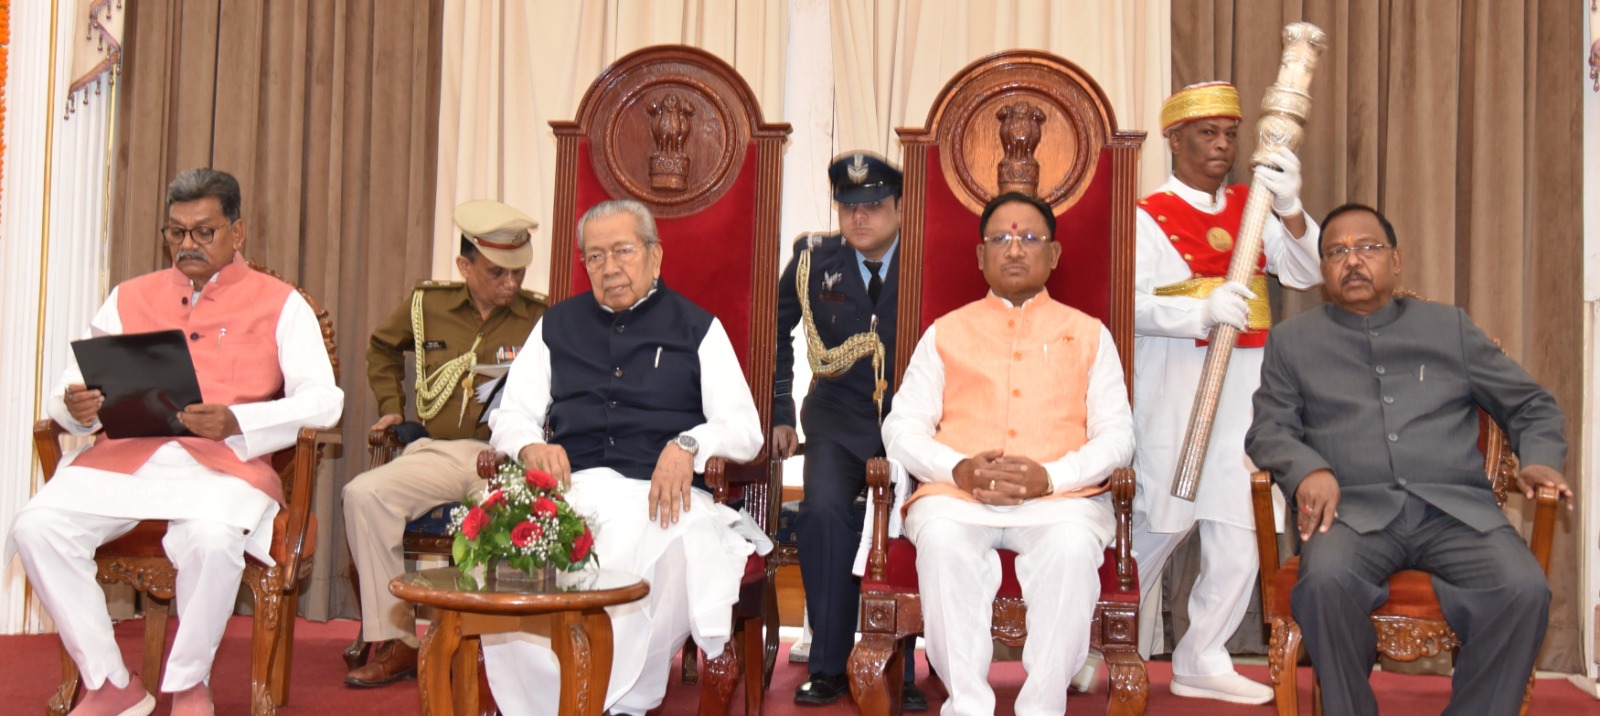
x: 521, y: 519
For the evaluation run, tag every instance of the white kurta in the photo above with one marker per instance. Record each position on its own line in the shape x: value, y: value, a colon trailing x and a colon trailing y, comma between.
x: 183, y: 489
x: 1167, y: 366
x: 694, y: 566
x: 1059, y: 542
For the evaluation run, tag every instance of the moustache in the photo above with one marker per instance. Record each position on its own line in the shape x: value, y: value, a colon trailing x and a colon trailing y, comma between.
x: 1354, y: 275
x: 190, y: 255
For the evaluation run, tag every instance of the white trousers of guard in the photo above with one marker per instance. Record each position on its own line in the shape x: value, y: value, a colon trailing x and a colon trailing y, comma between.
x: 57, y: 549
x: 959, y: 573
x: 694, y: 569
x: 1220, y: 596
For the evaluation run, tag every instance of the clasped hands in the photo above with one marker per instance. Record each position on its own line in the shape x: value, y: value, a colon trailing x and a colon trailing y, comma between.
x: 995, y: 478
x: 213, y: 421
x: 670, y: 484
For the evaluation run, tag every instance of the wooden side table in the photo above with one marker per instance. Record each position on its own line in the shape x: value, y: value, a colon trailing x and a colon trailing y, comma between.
x: 570, y: 611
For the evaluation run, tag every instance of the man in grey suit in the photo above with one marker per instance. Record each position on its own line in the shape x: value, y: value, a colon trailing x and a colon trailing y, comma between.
x: 1366, y: 417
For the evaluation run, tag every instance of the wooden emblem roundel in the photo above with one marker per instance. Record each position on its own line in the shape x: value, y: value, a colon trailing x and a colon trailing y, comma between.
x: 674, y: 143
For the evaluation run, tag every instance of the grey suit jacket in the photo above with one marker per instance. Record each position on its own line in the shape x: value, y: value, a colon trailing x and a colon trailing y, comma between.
x: 1388, y: 403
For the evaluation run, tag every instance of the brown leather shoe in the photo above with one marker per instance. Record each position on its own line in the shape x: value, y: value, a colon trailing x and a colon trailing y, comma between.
x: 391, y: 661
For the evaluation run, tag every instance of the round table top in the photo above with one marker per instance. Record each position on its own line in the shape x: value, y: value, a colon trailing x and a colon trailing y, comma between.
x: 448, y: 588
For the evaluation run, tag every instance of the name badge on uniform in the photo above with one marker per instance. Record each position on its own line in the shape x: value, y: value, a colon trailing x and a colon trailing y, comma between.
x: 831, y: 296
x: 432, y: 345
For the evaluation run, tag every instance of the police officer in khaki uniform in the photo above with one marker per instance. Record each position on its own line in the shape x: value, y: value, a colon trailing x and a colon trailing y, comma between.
x: 458, y: 332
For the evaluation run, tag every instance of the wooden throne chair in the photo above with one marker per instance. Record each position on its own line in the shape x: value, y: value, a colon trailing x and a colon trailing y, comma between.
x: 1014, y: 121
x: 137, y: 559
x: 1410, y: 625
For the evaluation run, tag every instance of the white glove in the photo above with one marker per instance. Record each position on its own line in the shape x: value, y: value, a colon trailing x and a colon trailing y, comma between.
x: 1281, y: 176
x: 1226, y: 304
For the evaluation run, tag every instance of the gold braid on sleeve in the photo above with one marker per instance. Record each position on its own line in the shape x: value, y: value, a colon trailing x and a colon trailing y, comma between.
x: 433, y: 389
x: 832, y: 362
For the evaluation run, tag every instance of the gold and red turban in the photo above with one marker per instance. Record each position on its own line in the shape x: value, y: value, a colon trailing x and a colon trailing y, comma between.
x: 1200, y: 101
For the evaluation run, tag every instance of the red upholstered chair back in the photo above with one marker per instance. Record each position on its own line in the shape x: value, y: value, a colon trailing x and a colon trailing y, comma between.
x: 678, y: 129
x: 1029, y: 121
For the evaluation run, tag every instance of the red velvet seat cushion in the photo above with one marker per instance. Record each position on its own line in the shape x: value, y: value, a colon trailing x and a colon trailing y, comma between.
x: 1410, y: 593
x: 900, y: 574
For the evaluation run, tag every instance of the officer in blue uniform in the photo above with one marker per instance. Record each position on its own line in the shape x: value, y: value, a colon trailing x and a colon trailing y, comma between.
x: 841, y: 290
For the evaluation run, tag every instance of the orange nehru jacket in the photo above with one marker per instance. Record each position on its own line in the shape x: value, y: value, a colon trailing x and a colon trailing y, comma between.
x: 1015, y: 378
x: 232, y: 333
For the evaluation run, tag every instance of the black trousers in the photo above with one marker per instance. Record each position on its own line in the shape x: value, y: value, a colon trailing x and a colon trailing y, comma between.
x: 1491, y: 589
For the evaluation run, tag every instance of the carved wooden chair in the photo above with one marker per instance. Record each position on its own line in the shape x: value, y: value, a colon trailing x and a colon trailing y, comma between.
x: 1015, y: 121
x: 137, y: 559
x: 1410, y: 625
x: 679, y: 130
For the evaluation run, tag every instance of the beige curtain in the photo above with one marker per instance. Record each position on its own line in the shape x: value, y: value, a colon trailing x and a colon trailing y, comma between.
x: 1460, y: 120
x: 512, y: 66
x: 891, y: 58
x: 326, y: 112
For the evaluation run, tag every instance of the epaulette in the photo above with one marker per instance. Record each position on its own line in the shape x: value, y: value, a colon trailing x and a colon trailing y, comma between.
x: 811, y: 240
x: 536, y: 297
x: 430, y: 283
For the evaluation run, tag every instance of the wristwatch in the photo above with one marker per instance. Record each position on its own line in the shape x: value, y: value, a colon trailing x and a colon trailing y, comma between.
x: 688, y: 443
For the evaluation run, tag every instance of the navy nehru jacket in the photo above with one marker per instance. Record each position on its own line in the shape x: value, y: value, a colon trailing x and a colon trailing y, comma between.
x: 623, y: 385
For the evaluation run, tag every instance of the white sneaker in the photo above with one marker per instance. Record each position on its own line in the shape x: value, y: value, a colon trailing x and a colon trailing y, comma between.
x: 1230, y: 687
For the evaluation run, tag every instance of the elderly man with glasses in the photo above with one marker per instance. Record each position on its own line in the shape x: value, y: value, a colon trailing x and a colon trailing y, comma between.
x: 1185, y: 233
x: 1012, y: 412
x: 626, y: 393
x: 264, y: 374
x: 1367, y: 417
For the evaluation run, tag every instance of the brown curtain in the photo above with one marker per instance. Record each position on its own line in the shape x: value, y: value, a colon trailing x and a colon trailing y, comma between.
x: 1460, y: 120
x: 327, y: 112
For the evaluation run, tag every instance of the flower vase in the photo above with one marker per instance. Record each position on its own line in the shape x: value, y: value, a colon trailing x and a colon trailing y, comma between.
x: 503, y: 573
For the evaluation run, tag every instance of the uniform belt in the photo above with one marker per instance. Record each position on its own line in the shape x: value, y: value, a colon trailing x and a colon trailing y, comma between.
x: 1260, y: 308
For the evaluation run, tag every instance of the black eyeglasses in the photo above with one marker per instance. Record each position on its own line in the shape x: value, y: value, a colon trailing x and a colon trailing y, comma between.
x: 203, y: 235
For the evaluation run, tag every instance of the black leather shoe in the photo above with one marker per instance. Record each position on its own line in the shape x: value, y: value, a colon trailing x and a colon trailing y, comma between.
x: 912, y: 698
x: 822, y: 690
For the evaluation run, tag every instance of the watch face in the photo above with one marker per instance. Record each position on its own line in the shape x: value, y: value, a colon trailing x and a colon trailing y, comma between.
x: 687, y: 442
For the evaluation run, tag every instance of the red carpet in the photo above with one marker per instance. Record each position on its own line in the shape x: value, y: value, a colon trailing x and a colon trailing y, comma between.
x: 32, y: 668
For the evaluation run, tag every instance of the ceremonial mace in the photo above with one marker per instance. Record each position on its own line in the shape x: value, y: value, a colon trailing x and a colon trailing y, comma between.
x: 1283, y: 115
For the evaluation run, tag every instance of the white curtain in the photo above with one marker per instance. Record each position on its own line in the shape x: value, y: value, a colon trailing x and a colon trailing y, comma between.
x: 59, y: 226
x: 512, y: 66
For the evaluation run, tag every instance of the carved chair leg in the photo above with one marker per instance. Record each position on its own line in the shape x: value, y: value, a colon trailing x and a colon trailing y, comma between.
x: 61, y: 701
x: 868, y: 682
x: 283, y: 652
x: 1316, y: 694
x: 722, y: 674
x: 1129, y: 683
x: 1283, y: 655
x: 155, y: 641
x: 690, y: 671
x: 264, y: 632
x: 755, y: 670
x: 355, y: 655
x: 770, y: 614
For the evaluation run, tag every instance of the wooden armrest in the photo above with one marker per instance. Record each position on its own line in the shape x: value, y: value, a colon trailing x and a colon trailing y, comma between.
x: 1546, y: 500
x: 1123, y: 486
x: 1266, y: 538
x: 878, y: 491
x: 47, y: 443
x: 309, y: 445
x: 489, y: 463
x: 382, y: 446
x: 717, y: 478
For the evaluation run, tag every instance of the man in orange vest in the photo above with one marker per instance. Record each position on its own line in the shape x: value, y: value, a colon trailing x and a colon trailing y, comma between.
x: 1012, y: 411
x: 263, y: 373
